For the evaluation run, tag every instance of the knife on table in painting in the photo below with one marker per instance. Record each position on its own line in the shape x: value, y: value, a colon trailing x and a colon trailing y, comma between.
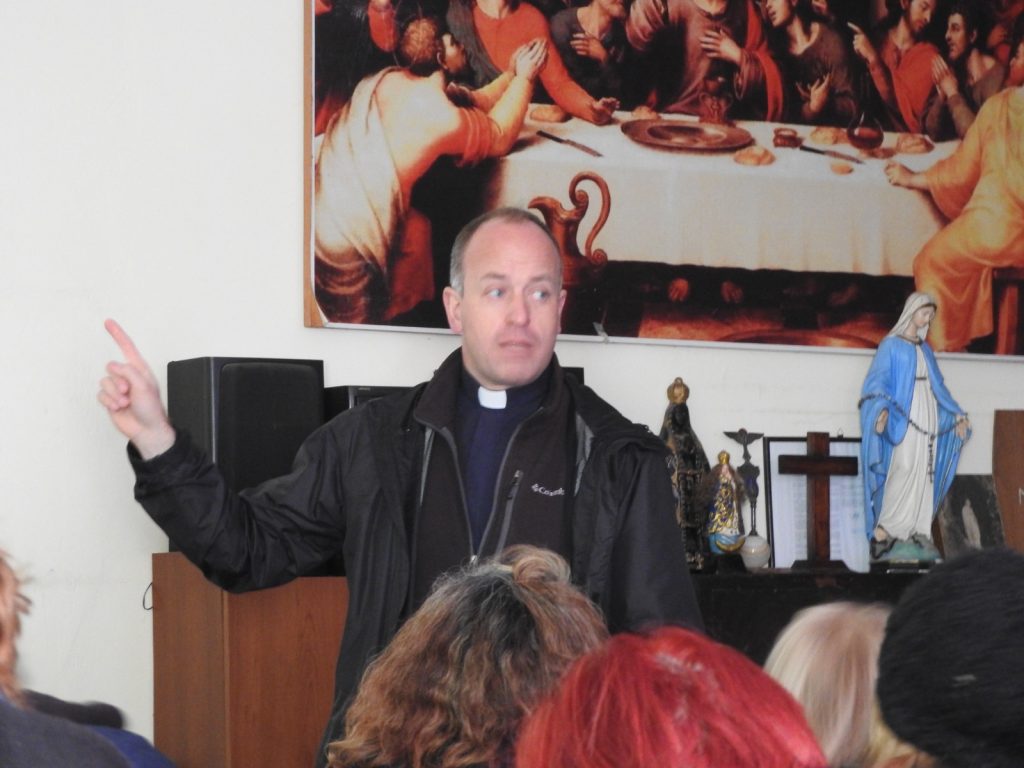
x: 832, y: 153
x: 571, y: 143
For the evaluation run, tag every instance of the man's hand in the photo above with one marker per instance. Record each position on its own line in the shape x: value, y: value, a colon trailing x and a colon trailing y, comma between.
x: 717, y: 44
x: 944, y: 79
x: 589, y: 47
x: 963, y: 426
x: 899, y: 175
x: 601, y: 110
x: 815, y: 95
x: 862, y: 45
x: 131, y: 395
x: 530, y: 58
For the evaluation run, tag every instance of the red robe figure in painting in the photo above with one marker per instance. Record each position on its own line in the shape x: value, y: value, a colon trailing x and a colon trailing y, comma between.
x: 687, y: 41
x: 492, y: 30
x: 371, y: 249
x: 900, y: 62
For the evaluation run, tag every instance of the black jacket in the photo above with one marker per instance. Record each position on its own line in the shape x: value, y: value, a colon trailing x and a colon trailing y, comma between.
x: 354, y: 488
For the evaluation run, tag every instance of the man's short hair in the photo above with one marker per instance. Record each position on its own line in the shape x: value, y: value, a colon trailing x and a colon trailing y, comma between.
x: 509, y: 215
x: 975, y: 18
x: 420, y: 46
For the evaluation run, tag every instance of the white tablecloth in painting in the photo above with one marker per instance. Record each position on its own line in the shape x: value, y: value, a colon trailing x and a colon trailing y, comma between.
x: 705, y: 209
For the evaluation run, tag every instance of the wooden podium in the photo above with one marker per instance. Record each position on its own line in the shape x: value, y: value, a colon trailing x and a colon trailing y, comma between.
x: 242, y: 680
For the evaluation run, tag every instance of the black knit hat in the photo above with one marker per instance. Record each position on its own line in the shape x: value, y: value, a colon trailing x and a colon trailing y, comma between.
x: 951, y: 668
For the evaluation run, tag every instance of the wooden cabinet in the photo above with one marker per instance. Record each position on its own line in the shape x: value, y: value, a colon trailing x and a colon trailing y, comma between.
x: 242, y: 680
x: 748, y: 610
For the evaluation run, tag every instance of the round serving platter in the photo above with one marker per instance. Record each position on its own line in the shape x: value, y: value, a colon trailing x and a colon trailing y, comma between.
x: 694, y: 137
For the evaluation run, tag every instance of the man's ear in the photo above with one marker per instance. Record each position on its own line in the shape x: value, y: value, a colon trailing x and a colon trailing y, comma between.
x: 453, y: 308
x: 974, y: 36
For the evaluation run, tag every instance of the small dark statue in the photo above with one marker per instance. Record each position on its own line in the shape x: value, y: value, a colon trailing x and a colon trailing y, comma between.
x: 688, y: 464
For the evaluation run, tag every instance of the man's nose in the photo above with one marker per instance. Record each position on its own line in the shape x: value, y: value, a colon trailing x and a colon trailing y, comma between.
x: 518, y: 309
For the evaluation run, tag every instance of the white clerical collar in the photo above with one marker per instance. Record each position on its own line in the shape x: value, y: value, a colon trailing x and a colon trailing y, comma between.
x: 495, y: 399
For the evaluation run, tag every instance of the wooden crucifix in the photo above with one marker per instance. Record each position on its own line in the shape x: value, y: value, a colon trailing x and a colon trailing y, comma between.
x: 819, y: 467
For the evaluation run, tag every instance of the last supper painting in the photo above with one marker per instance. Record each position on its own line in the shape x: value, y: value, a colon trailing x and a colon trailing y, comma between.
x: 756, y: 171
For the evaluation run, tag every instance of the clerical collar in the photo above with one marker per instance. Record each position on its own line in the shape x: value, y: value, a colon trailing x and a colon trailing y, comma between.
x: 529, y: 395
x: 496, y: 399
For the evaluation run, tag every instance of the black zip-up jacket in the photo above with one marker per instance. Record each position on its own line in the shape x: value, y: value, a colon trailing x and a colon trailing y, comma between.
x: 355, y: 488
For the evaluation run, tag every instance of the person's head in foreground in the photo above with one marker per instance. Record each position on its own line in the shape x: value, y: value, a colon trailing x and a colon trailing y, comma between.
x: 951, y: 668
x: 452, y: 686
x: 827, y: 657
x: 668, y: 699
x: 12, y: 605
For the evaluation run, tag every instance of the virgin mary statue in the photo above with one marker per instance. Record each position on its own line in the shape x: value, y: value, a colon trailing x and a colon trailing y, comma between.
x: 912, y: 432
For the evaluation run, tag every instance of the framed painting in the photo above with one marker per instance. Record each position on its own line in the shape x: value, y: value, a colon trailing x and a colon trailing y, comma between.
x: 969, y: 516
x: 672, y: 222
x: 786, y: 506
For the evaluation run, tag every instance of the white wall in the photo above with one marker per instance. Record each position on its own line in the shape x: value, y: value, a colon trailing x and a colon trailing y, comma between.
x: 150, y: 170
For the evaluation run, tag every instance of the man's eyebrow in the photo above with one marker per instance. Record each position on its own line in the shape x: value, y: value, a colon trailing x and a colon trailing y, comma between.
x: 535, y: 279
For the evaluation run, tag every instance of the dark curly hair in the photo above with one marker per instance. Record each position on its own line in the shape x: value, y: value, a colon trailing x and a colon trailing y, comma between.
x: 453, y: 684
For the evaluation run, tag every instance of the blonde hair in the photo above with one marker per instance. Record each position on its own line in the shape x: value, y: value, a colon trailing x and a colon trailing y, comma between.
x: 12, y: 605
x: 827, y: 657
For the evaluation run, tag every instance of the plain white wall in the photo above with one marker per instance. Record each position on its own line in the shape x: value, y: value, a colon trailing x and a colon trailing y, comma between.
x: 150, y: 170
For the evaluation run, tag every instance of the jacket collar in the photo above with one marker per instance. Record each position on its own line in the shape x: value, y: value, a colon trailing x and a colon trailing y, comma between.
x: 436, y: 406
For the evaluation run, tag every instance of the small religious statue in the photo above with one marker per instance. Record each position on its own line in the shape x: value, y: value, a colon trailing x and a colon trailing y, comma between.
x: 912, y: 432
x: 756, y: 552
x: 721, y: 493
x: 688, y: 464
x: 748, y: 470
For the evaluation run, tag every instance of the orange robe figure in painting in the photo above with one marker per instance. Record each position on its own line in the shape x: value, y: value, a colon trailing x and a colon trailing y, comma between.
x: 980, y: 187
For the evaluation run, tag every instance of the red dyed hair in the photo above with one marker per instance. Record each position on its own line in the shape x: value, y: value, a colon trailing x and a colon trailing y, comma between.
x: 670, y: 699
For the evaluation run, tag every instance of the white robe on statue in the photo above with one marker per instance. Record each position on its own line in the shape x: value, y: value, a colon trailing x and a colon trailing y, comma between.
x: 907, y: 505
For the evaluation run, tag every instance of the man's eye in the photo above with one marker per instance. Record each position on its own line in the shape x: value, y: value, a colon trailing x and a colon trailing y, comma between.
x: 541, y: 294
x: 495, y: 293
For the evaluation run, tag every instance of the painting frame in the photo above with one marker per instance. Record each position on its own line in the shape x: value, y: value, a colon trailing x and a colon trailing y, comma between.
x: 609, y: 306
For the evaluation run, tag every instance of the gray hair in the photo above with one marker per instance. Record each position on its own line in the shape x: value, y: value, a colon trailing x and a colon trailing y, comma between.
x: 509, y: 215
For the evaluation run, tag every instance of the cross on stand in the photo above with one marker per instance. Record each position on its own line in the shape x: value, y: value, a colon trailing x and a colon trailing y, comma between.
x: 819, y: 467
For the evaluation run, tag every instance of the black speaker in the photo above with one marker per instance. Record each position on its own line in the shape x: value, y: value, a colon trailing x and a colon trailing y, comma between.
x: 338, y: 399
x: 249, y: 414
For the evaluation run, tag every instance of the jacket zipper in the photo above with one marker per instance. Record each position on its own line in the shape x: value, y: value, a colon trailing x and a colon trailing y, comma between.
x: 510, y: 498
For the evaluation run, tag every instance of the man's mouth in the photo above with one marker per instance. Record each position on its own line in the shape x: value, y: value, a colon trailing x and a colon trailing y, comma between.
x: 516, y: 344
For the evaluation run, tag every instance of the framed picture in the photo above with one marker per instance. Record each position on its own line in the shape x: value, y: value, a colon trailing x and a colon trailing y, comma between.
x: 664, y: 230
x: 786, y: 506
x: 969, y: 516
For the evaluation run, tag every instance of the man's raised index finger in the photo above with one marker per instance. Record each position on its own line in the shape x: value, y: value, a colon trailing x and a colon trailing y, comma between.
x: 123, y: 340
